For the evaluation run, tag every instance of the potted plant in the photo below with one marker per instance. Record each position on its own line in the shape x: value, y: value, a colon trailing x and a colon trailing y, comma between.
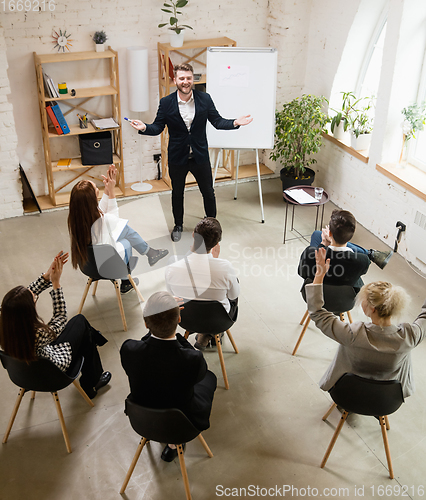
x: 100, y: 38
x: 414, y: 120
x: 176, y: 30
x: 298, y: 135
x: 361, y: 125
x: 340, y: 121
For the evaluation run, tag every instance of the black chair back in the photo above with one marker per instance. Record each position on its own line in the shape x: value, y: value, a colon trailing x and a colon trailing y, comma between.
x: 163, y: 426
x: 205, y: 316
x: 104, y: 262
x: 41, y: 375
x: 367, y: 397
x: 337, y: 298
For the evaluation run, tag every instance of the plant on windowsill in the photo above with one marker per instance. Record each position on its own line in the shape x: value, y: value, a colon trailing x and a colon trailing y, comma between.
x: 414, y: 120
x: 361, y: 123
x: 299, y: 126
x: 100, y: 38
x: 177, y: 30
x: 340, y: 121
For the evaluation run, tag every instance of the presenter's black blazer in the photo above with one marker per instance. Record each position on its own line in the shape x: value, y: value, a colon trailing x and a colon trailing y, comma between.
x: 346, y: 268
x: 163, y: 373
x: 180, y: 138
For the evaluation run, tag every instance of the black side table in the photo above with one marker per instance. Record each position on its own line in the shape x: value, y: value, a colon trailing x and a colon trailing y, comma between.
x: 290, y: 201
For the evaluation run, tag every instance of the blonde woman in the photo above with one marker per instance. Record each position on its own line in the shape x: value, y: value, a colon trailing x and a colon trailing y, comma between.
x: 379, y: 349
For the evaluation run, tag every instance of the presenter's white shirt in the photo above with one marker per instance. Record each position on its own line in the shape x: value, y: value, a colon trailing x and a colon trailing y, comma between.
x: 202, y: 277
x: 107, y: 229
x: 187, y: 110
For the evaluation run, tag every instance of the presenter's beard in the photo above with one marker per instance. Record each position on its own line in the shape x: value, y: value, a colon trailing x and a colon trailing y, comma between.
x: 184, y: 90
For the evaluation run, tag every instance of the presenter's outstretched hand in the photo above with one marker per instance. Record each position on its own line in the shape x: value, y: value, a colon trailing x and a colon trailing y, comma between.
x: 138, y: 125
x: 243, y: 120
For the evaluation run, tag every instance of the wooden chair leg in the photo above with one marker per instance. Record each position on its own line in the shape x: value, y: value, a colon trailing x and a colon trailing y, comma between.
x: 136, y: 288
x: 120, y: 304
x: 386, y: 443
x: 387, y: 423
x: 349, y: 316
x: 62, y: 421
x: 95, y: 288
x: 85, y: 396
x: 86, y: 290
x: 329, y: 411
x: 33, y: 394
x: 342, y: 317
x: 302, y: 333
x: 133, y: 465
x: 186, y: 334
x: 222, y: 361
x: 304, y: 317
x: 184, y: 473
x: 334, y: 438
x: 14, y: 412
x: 231, y: 339
x: 205, y: 445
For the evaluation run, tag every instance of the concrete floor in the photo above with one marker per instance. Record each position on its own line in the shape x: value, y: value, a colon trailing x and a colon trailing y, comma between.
x: 266, y: 431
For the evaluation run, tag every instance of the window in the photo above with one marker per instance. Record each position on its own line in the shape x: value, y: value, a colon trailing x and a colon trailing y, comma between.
x: 416, y: 147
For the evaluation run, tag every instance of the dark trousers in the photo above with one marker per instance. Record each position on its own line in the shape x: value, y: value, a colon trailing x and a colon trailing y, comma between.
x: 84, y: 340
x: 203, y: 175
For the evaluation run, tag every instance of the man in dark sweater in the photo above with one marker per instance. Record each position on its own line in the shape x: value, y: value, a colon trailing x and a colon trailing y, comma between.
x: 165, y: 371
x: 348, y: 262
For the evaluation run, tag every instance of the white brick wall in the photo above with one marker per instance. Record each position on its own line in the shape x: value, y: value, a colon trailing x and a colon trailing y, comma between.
x: 127, y: 23
x: 10, y: 186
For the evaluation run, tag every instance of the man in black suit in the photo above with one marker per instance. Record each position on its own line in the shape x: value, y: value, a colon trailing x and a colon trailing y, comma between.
x: 185, y: 112
x: 347, y: 263
x: 165, y: 371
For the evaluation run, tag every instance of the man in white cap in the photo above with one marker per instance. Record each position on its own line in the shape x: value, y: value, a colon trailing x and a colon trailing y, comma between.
x: 165, y: 371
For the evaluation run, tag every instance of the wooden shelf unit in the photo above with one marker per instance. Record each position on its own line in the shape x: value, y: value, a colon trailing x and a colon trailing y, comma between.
x: 84, y: 95
x: 166, y: 83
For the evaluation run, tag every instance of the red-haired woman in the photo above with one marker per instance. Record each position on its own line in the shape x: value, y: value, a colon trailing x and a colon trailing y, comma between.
x: 92, y: 224
x: 24, y: 335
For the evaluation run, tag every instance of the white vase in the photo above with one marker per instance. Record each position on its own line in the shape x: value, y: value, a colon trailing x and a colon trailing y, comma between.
x: 362, y: 143
x: 176, y: 40
x: 100, y: 47
x: 339, y: 132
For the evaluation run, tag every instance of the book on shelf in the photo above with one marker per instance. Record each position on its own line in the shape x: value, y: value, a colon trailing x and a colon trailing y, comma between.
x: 167, y: 71
x: 60, y: 117
x: 54, y: 120
x: 104, y: 123
x: 64, y: 162
x: 49, y: 86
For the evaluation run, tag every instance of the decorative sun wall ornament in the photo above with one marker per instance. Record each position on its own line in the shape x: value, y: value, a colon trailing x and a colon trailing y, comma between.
x: 61, y: 40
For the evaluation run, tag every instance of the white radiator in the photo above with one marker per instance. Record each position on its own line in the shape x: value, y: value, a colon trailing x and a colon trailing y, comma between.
x: 417, y: 237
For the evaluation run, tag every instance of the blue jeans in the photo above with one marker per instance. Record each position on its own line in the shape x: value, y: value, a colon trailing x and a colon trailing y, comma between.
x: 129, y: 238
x: 317, y: 237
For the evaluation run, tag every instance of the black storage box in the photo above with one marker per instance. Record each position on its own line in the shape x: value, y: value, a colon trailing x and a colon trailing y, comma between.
x: 96, y: 149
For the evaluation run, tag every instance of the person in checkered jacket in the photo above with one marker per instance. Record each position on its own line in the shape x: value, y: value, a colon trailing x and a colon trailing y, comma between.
x: 24, y: 335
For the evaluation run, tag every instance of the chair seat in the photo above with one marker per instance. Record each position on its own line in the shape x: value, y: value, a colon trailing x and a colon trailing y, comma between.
x: 356, y: 394
x: 165, y: 426
x: 208, y: 317
x: 42, y: 376
x: 105, y: 263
